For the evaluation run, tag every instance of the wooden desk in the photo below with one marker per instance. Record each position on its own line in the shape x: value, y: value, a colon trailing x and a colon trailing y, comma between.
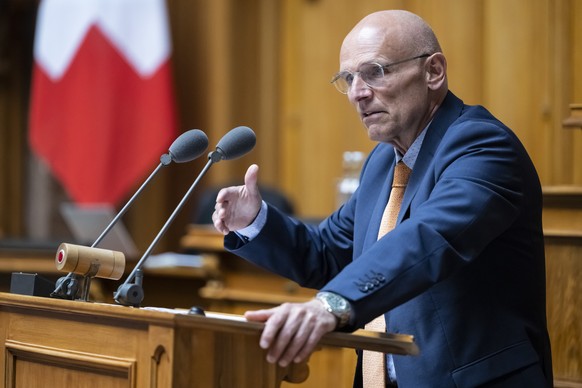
x: 242, y: 286
x: 79, y: 344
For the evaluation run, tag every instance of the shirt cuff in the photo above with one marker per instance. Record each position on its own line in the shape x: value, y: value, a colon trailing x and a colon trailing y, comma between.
x: 252, y: 231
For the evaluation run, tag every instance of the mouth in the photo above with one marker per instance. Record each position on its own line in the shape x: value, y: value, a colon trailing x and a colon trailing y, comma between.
x: 368, y: 114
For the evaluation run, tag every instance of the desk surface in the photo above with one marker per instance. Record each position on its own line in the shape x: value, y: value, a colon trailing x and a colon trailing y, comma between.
x: 360, y: 339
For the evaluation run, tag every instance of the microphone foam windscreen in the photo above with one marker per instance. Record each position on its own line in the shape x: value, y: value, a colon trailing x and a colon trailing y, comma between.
x: 237, y: 142
x: 188, y: 146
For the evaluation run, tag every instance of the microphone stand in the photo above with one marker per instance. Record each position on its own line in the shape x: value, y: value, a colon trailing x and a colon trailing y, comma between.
x: 70, y: 283
x: 188, y: 146
x: 131, y: 294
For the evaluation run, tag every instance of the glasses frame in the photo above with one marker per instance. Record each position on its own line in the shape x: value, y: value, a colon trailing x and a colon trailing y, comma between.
x: 383, y: 67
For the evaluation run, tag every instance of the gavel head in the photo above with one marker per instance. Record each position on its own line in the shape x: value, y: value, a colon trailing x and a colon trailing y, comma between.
x: 83, y: 260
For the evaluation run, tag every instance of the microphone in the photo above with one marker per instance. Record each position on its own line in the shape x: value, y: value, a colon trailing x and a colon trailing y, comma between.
x: 188, y: 146
x: 237, y: 142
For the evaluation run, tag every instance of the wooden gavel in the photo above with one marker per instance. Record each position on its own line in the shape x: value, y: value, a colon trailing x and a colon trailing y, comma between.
x: 92, y: 262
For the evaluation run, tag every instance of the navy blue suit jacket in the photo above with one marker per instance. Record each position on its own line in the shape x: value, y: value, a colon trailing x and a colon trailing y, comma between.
x: 464, y: 269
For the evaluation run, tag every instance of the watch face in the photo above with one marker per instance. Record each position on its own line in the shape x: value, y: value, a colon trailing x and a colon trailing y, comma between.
x: 338, y: 303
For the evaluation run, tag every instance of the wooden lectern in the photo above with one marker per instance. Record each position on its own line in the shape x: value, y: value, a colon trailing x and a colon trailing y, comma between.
x: 61, y: 343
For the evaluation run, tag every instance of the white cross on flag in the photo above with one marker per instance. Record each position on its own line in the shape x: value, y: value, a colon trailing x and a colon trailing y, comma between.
x: 102, y: 104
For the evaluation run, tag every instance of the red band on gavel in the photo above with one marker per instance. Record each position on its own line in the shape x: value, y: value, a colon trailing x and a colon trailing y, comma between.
x: 79, y: 259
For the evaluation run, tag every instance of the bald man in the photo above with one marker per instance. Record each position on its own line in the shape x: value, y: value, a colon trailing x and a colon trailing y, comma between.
x: 463, y: 268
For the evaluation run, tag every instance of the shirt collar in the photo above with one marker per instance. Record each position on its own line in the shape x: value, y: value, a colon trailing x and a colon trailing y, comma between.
x: 409, y: 158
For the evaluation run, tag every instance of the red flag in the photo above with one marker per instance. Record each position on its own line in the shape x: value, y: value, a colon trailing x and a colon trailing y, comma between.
x: 102, y: 104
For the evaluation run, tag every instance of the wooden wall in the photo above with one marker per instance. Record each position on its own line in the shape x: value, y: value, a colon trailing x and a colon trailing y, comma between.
x: 267, y: 64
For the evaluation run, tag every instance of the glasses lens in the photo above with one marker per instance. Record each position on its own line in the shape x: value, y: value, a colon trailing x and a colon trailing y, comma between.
x: 372, y: 74
x: 342, y: 82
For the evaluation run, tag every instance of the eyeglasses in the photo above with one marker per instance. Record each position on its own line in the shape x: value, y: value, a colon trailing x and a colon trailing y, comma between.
x: 371, y: 73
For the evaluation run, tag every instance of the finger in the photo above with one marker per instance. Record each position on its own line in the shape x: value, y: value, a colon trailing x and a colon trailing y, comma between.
x: 271, y: 327
x: 221, y: 227
x: 222, y: 195
x: 296, y: 335
x: 306, y: 338
x: 218, y: 220
x: 286, y: 342
x: 312, y: 327
x: 309, y: 346
x: 252, y: 179
x: 258, y: 315
x: 276, y: 333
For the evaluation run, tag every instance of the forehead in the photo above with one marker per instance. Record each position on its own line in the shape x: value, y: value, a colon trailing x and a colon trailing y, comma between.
x: 369, y: 44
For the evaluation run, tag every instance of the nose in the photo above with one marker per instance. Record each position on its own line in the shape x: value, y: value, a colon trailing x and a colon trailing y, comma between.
x: 359, y: 89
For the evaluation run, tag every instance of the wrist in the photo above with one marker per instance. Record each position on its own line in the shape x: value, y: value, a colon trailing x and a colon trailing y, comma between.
x: 337, y: 305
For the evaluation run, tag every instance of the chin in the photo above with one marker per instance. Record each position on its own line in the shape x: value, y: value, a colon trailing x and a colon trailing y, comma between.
x: 374, y: 135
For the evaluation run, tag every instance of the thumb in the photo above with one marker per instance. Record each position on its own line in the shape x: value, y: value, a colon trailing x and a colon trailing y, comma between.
x: 251, y: 179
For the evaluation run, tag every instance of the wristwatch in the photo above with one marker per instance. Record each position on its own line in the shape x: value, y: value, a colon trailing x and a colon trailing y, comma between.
x: 337, y: 305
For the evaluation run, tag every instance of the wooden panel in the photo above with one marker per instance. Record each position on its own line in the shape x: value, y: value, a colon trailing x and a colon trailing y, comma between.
x: 564, y: 301
x: 243, y: 286
x: 127, y: 347
x: 15, y: 49
x: 464, y: 51
x: 519, y: 98
x: 225, y: 370
x: 317, y: 122
x: 573, y: 85
x: 562, y: 220
x: 62, y: 368
x: 84, y: 344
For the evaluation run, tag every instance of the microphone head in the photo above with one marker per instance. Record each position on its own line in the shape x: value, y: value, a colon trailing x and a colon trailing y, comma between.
x: 237, y: 142
x: 188, y: 146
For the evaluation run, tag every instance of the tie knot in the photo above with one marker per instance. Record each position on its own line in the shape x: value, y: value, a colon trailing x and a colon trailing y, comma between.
x: 401, y: 175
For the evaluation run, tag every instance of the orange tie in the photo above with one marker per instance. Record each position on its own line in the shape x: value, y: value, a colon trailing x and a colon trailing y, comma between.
x: 373, y: 363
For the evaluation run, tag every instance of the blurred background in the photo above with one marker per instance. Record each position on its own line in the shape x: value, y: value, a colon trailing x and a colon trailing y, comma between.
x: 267, y: 64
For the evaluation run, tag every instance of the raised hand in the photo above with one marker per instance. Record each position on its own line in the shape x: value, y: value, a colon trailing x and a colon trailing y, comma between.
x: 237, y: 206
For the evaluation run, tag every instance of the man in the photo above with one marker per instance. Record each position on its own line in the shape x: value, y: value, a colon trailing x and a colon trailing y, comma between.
x: 463, y: 269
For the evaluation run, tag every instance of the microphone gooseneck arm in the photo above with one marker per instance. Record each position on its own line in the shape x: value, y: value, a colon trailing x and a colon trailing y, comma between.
x: 127, y: 205
x: 70, y: 278
x: 188, y: 146
x: 129, y: 294
x: 237, y: 142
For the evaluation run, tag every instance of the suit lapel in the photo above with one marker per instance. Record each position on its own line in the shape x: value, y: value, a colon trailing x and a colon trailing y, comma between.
x: 448, y: 112
x: 385, y: 162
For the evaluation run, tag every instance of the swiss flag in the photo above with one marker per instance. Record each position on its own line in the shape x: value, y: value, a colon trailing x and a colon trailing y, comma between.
x: 102, y: 102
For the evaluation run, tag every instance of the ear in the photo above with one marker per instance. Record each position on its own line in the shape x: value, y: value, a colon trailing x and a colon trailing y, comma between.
x: 436, y: 71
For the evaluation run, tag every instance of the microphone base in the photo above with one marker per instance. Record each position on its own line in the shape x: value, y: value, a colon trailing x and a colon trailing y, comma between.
x: 130, y: 295
x: 67, y: 287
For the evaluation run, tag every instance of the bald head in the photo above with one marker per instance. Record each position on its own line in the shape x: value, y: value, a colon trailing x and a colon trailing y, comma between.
x: 396, y: 105
x: 400, y: 32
